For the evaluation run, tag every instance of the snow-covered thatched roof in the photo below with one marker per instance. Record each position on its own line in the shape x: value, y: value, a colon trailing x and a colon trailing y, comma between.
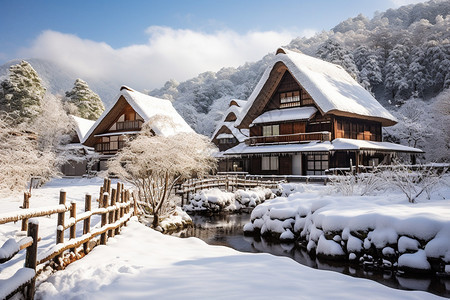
x: 333, y: 90
x: 240, y: 135
x: 145, y: 106
x: 82, y: 126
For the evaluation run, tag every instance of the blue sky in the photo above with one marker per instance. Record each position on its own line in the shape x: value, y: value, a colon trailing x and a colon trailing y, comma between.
x: 99, y: 37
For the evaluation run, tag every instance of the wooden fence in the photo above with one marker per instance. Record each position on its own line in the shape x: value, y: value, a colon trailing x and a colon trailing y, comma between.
x: 226, y: 183
x: 114, y: 208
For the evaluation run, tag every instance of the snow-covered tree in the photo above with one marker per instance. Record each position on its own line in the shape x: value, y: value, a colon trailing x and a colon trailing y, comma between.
x: 88, y: 104
x: 21, y: 93
x: 20, y: 157
x: 333, y: 52
x: 395, y: 71
x: 154, y: 164
x: 417, y: 75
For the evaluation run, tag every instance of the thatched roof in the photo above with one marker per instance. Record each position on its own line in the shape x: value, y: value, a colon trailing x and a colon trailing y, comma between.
x: 333, y: 90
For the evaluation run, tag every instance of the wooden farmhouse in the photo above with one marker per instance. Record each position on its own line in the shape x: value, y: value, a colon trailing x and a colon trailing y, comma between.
x: 126, y: 117
x: 227, y: 136
x: 306, y: 116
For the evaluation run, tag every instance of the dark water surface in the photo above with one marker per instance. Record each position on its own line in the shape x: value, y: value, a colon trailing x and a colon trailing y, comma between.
x: 226, y: 230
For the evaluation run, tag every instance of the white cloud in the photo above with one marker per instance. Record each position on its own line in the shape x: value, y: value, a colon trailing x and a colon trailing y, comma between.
x: 169, y: 54
x: 399, y: 3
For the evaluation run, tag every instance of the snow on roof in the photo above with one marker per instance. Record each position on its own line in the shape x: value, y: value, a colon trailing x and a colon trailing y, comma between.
x: 335, y: 145
x: 82, y: 126
x: 148, y: 107
x: 289, y: 114
x: 242, y: 148
x: 350, y: 144
x: 240, y: 135
x: 331, y: 87
x: 239, y: 102
x: 225, y: 136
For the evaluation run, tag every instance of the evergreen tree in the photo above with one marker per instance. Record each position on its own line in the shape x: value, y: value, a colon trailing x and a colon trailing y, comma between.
x: 22, y: 93
x: 417, y: 73
x: 396, y: 69
x: 87, y: 104
x: 333, y: 52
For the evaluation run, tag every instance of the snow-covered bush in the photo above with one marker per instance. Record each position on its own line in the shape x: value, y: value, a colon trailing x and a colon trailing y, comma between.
x: 413, y: 183
x: 361, y: 183
x: 154, y: 164
x: 216, y: 200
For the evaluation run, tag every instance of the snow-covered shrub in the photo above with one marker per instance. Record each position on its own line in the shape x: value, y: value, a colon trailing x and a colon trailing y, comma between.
x: 216, y: 200
x: 413, y: 183
x: 361, y: 183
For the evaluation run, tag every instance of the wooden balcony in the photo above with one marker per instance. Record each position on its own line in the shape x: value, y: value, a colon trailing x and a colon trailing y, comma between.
x: 289, y: 138
x: 129, y: 125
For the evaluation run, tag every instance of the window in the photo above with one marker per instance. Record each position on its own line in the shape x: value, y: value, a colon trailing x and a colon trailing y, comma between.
x: 269, y: 163
x: 270, y: 130
x: 290, y: 99
x: 227, y: 141
x: 316, y: 164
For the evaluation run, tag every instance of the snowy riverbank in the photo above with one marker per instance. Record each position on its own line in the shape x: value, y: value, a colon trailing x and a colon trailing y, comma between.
x: 384, y: 229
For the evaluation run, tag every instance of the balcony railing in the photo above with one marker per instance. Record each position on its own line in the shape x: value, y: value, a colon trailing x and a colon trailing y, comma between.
x: 129, y: 125
x: 289, y: 138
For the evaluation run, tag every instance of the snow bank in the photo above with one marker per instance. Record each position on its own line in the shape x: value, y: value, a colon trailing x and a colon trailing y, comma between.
x: 384, y: 226
x: 218, y: 200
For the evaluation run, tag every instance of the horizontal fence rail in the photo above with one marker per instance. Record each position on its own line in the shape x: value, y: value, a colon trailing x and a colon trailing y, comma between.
x: 226, y: 183
x: 114, y: 209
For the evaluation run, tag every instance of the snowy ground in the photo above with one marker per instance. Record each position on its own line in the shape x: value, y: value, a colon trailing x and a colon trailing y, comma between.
x: 142, y: 263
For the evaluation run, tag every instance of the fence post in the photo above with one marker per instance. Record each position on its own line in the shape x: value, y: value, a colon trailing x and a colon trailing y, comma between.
x: 26, y: 204
x: 104, y: 218
x: 100, y: 198
x: 118, y: 210
x: 60, y: 225
x: 31, y: 256
x: 135, y: 205
x: 87, y: 221
x: 73, y: 228
x: 113, y: 212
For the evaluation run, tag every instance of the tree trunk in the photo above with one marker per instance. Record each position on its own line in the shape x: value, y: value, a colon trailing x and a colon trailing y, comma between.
x: 155, y: 220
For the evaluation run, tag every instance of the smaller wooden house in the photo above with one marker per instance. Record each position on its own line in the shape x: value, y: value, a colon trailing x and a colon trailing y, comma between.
x: 227, y: 136
x: 307, y: 116
x: 126, y: 117
x: 78, y: 155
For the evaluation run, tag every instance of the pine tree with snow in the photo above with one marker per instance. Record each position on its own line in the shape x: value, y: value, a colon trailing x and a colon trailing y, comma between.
x: 417, y: 75
x: 88, y: 104
x: 396, y: 69
x: 333, y: 52
x: 21, y: 93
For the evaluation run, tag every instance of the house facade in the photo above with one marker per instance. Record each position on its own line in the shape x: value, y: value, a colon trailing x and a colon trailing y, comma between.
x: 227, y: 136
x: 307, y: 116
x: 125, y: 118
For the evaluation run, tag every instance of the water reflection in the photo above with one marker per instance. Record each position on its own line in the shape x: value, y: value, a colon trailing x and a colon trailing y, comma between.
x: 226, y: 230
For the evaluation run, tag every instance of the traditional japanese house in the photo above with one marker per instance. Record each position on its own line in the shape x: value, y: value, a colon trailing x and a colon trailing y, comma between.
x: 306, y: 116
x: 126, y: 117
x: 227, y: 136
x: 77, y: 154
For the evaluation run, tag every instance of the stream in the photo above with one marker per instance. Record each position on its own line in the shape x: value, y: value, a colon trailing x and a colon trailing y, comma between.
x: 226, y: 230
